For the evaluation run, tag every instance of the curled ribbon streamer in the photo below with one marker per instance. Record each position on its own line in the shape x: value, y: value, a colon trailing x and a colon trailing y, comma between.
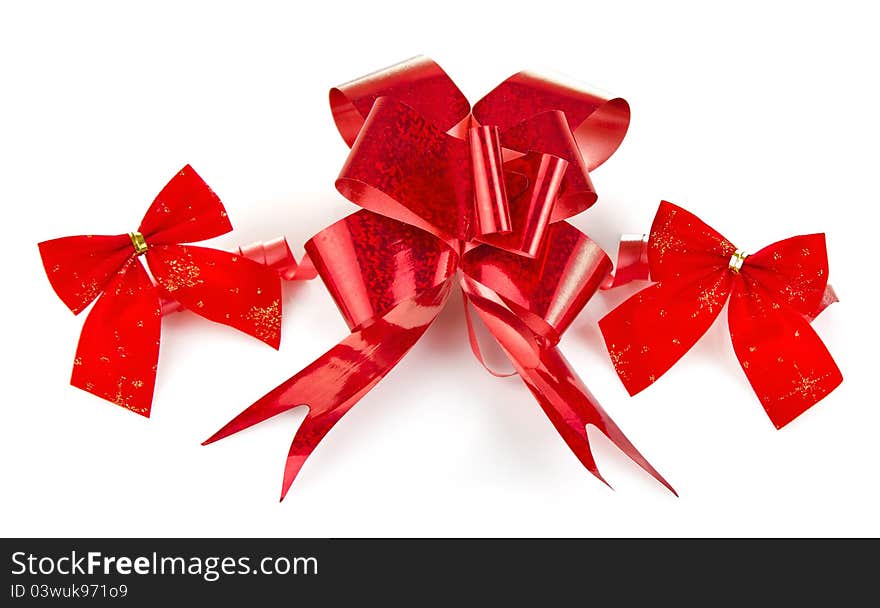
x: 632, y: 261
x: 774, y: 294
x: 451, y: 195
x: 118, y: 350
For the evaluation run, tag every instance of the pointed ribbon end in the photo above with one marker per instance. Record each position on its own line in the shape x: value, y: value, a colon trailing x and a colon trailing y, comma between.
x: 221, y: 434
x: 291, y: 470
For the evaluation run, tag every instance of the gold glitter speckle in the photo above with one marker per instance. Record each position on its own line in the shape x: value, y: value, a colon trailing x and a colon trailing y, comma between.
x: 619, y: 361
x: 180, y: 275
x: 666, y: 238
x: 89, y: 291
x: 265, y: 319
x: 805, y: 386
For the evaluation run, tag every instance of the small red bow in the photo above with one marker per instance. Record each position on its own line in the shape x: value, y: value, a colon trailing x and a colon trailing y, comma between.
x: 119, y: 344
x: 774, y: 294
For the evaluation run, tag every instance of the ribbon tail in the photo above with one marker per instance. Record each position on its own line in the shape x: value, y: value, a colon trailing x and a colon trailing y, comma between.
x: 119, y: 345
x: 651, y: 330
x: 784, y: 359
x: 222, y: 287
x: 337, y: 380
x: 571, y: 407
x: 565, y: 400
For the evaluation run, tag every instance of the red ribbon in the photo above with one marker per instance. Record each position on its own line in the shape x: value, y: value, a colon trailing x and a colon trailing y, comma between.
x: 119, y: 345
x: 774, y: 294
x: 274, y: 253
x: 451, y: 196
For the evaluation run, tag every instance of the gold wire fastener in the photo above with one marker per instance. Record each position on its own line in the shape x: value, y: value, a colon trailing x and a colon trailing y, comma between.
x: 138, y: 242
x: 736, y: 260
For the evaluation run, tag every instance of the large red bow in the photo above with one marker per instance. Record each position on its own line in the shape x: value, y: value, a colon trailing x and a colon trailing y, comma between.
x: 454, y: 196
x: 119, y: 344
x: 774, y: 294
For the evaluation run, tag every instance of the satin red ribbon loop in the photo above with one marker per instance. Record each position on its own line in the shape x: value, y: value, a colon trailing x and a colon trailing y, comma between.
x: 447, y: 195
x: 118, y: 349
x: 773, y: 294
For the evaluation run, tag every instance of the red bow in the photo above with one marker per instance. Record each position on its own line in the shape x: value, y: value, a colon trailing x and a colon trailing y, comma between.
x: 119, y: 344
x: 451, y: 196
x: 773, y: 293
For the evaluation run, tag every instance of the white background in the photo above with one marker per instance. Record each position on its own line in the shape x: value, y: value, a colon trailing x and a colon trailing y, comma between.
x: 762, y: 118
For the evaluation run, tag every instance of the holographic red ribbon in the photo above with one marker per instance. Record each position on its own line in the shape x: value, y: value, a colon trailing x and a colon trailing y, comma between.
x: 453, y: 196
x: 118, y: 348
x: 774, y: 294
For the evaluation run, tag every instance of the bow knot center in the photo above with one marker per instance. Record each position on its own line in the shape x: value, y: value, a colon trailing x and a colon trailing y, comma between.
x: 736, y: 260
x: 138, y: 242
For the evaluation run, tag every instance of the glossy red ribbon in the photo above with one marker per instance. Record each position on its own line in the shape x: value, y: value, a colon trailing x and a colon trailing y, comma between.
x: 119, y: 345
x: 476, y: 198
x: 774, y: 294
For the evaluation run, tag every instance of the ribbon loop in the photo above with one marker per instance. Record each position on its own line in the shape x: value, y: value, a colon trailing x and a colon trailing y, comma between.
x: 418, y: 82
x: 370, y: 264
x: 490, y: 192
x: 531, y: 211
x: 555, y: 286
x: 405, y: 167
x: 185, y: 211
x: 599, y: 122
